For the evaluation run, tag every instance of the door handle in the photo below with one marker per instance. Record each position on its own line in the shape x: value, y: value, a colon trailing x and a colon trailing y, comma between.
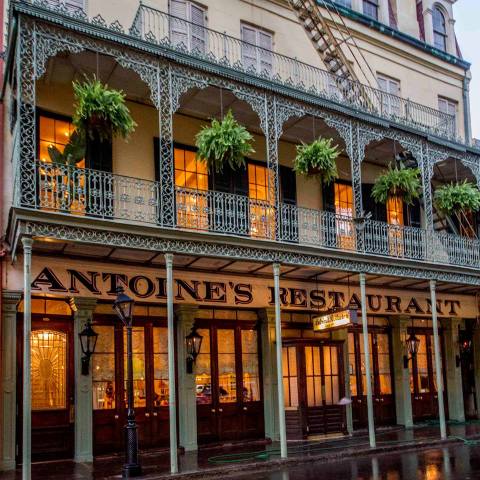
x: 220, y: 409
x: 213, y: 410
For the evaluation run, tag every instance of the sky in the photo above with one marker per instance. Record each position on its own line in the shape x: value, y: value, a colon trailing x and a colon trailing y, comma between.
x: 467, y: 28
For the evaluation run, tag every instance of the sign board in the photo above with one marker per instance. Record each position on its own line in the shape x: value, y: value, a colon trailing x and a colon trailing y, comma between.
x: 337, y: 319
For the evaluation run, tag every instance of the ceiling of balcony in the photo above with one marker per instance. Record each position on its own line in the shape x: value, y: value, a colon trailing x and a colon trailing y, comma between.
x: 203, y: 265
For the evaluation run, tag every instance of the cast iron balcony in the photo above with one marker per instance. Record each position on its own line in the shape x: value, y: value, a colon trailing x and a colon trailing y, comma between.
x: 102, y: 195
x: 224, y: 50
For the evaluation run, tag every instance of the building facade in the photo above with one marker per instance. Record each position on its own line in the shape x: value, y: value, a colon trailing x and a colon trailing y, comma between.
x: 252, y: 253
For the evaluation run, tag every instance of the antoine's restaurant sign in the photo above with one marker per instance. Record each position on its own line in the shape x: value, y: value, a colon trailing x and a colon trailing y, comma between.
x: 149, y: 285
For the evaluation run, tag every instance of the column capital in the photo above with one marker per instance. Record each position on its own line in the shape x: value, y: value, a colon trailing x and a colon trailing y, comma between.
x: 400, y: 321
x: 267, y: 315
x: 83, y: 303
x: 186, y: 312
x: 452, y: 323
x: 10, y: 300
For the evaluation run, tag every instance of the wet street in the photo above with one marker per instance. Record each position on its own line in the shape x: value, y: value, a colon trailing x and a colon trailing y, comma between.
x: 448, y: 463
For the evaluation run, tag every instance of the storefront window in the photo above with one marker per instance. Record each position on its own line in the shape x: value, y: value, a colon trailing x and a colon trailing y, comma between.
x: 48, y: 369
x: 362, y: 356
x: 383, y: 358
x: 160, y: 366
x: 227, y: 378
x: 313, y: 376
x: 191, y: 180
x: 251, y: 377
x: 290, y: 376
x: 331, y: 376
x: 138, y: 357
x: 262, y: 214
x: 103, y: 369
x: 422, y: 367
x: 203, y: 372
x: 352, y: 364
x: 344, y: 210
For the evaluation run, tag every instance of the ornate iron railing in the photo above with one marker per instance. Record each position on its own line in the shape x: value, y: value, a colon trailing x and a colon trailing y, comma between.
x: 92, y: 193
x: 188, y: 38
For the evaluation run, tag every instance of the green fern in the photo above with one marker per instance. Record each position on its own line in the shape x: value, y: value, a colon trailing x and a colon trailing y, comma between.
x: 224, y: 142
x: 457, y: 197
x: 397, y: 181
x: 318, y: 159
x: 101, y: 111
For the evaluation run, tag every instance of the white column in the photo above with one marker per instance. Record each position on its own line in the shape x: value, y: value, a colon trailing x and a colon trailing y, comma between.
x: 438, y: 361
x: 172, y: 406
x: 83, y: 385
x: 8, y: 367
x: 278, y: 340
x: 368, y: 373
x: 27, y: 328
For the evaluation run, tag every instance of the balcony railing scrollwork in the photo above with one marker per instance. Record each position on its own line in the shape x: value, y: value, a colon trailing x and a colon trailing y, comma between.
x: 103, y: 195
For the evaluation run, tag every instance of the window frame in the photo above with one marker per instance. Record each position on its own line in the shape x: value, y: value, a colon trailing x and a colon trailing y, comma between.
x: 189, y: 24
x: 257, y: 48
x: 390, y: 101
x: 448, y: 102
x: 373, y: 4
x: 441, y: 35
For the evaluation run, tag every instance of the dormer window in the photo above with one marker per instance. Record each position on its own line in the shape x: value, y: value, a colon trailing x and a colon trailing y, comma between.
x: 439, y: 30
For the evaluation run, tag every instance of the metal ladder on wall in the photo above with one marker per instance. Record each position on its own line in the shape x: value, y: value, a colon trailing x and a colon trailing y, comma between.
x: 330, y: 49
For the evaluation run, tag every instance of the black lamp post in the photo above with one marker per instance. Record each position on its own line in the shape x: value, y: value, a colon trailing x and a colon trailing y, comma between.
x: 412, y: 344
x: 193, y: 342
x: 123, y: 306
x: 88, y: 341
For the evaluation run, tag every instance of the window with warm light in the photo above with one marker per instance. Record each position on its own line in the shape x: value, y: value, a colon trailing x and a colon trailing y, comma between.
x: 290, y: 376
x: 262, y: 213
x: 138, y: 360
x: 191, y: 182
x: 395, y: 218
x: 103, y: 369
x: 344, y: 211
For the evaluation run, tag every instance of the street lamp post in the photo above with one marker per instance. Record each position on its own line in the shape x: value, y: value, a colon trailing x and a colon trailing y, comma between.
x: 123, y: 306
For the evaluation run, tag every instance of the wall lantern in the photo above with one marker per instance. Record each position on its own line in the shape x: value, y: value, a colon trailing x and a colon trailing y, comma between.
x: 193, y: 344
x: 465, y: 348
x: 412, y: 344
x: 88, y: 341
x: 123, y: 306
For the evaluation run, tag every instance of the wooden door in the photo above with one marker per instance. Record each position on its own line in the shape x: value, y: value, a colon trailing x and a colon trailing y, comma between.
x: 52, y: 383
x: 228, y: 385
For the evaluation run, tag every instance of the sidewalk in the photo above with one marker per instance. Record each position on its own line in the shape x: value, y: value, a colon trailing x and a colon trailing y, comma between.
x: 255, y: 457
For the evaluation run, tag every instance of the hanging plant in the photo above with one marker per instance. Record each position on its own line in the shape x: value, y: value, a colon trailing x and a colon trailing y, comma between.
x: 73, y: 152
x: 224, y: 142
x: 100, y: 111
x: 457, y: 197
x: 317, y: 159
x: 399, y: 182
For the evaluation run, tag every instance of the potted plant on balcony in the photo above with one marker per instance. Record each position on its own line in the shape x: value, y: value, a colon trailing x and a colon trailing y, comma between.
x: 100, y: 114
x: 73, y: 152
x: 399, y: 181
x: 224, y: 142
x: 459, y: 197
x: 317, y: 159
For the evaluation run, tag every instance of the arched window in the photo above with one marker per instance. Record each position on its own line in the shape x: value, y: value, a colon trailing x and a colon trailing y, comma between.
x: 439, y: 30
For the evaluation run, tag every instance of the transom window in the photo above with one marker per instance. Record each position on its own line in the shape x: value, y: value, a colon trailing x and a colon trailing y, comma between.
x: 370, y: 8
x: 439, y: 30
x: 256, y: 49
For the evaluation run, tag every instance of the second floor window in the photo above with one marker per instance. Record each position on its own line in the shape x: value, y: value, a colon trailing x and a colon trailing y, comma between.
x: 449, y: 106
x: 188, y: 26
x: 370, y: 8
x: 256, y: 49
x: 439, y: 30
x: 391, y: 100
x: 73, y: 5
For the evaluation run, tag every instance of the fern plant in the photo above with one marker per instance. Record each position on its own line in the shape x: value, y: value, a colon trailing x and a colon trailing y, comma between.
x: 224, y: 142
x: 397, y: 182
x: 457, y: 197
x: 317, y: 159
x: 100, y: 111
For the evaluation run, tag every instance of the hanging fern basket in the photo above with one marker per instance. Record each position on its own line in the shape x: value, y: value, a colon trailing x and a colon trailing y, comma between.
x: 457, y: 198
x: 397, y: 182
x: 318, y: 159
x: 224, y: 142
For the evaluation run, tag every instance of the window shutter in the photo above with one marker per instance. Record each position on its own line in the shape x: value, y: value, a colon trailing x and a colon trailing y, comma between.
x: 199, y: 34
x: 249, y: 56
x: 288, y: 185
x: 265, y: 51
x: 178, y: 26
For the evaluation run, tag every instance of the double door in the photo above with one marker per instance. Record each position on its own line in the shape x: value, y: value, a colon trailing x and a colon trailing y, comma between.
x: 423, y: 381
x: 381, y: 374
x: 150, y: 384
x: 313, y: 385
x: 52, y: 388
x: 228, y: 383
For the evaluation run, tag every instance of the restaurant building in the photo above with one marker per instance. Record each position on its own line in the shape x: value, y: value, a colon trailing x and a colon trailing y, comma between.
x: 238, y: 257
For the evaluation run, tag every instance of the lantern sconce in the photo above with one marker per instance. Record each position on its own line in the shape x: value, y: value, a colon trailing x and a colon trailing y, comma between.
x: 193, y: 344
x: 465, y: 347
x: 88, y: 341
x: 412, y: 344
